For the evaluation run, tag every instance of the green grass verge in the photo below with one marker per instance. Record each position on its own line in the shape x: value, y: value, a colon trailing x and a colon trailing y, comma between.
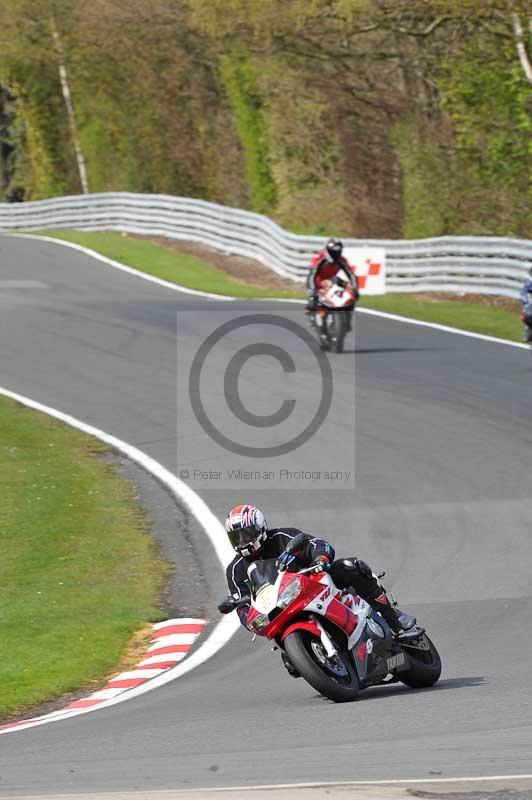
x: 196, y: 274
x: 474, y: 317
x: 79, y: 572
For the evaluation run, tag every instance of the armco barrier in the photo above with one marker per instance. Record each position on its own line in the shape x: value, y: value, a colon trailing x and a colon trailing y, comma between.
x: 490, y: 265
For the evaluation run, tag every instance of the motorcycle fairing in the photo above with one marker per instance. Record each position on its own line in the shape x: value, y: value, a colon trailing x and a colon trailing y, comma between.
x: 302, y: 624
x: 336, y: 296
x: 369, y: 638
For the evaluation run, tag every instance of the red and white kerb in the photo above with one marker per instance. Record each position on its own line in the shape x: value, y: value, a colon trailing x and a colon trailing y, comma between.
x: 171, y: 641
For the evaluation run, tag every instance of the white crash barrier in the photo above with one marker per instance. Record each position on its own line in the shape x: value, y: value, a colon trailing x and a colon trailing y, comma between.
x: 490, y: 265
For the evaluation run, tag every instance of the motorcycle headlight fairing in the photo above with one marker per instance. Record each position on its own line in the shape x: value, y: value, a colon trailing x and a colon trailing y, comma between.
x: 289, y: 593
x: 260, y: 621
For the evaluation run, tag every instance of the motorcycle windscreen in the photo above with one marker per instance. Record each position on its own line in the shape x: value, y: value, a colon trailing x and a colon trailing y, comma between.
x: 262, y: 576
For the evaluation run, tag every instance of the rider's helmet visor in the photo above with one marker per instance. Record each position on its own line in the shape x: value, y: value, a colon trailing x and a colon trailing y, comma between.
x: 243, y: 536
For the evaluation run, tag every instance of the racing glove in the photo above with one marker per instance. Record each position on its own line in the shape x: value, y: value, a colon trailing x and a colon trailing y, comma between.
x: 321, y: 564
x: 312, y: 303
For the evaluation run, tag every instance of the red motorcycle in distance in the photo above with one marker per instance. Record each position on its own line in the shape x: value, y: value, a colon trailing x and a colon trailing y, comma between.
x: 333, y: 639
x: 333, y: 316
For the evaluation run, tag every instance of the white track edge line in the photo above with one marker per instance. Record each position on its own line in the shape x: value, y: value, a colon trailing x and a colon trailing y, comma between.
x: 438, y: 327
x: 117, y: 265
x: 185, y: 290
x: 176, y: 793
x: 352, y: 784
x: 223, y: 631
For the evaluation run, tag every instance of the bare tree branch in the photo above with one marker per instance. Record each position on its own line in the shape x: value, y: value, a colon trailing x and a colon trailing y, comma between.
x: 521, y: 47
x: 428, y: 30
x: 63, y: 76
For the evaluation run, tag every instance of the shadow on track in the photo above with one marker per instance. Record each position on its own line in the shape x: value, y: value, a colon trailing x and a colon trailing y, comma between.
x: 399, y: 690
x: 377, y: 350
x: 383, y: 692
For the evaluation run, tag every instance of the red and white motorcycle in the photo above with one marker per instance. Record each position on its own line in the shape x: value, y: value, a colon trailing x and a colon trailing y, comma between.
x: 333, y: 639
x: 334, y: 313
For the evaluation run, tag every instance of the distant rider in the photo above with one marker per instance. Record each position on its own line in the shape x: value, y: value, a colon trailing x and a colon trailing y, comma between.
x: 324, y: 266
x: 526, y: 299
x: 251, y: 538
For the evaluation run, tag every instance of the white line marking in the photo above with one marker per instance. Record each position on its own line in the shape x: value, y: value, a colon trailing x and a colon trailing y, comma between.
x: 134, y: 675
x: 8, y: 284
x: 172, y: 638
x: 105, y: 694
x: 162, y: 658
x: 221, y: 633
x: 446, y: 328
x: 411, y: 321
x: 354, y: 784
x: 185, y: 290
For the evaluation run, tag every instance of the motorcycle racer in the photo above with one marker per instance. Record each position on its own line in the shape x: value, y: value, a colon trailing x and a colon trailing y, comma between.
x: 324, y: 266
x: 526, y: 300
x: 252, y: 539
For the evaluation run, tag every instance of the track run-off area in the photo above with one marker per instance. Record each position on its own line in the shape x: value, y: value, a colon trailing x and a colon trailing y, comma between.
x: 442, y: 502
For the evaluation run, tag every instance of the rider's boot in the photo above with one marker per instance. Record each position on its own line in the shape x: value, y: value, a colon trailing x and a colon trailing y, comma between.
x: 356, y: 573
x: 399, y: 621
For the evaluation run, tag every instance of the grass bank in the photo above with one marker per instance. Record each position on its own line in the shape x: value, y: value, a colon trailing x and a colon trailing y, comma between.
x: 79, y: 573
x: 195, y: 273
x: 459, y: 313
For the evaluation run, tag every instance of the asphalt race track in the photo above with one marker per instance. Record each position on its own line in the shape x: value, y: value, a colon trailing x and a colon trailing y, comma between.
x: 443, y: 501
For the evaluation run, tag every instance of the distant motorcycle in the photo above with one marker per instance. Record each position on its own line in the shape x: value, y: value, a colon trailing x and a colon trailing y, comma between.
x: 526, y: 319
x: 333, y: 639
x: 332, y: 319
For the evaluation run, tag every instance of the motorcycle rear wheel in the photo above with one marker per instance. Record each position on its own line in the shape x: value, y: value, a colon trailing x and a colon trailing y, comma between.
x: 425, y: 665
x: 335, y: 679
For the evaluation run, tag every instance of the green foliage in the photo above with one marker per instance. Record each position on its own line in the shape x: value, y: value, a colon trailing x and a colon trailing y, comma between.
x: 45, y: 141
x: 43, y: 158
x: 38, y: 135
x: 305, y: 153
x: 490, y: 104
x: 376, y: 119
x: 468, y: 169
x: 239, y: 81
x: 487, y: 98
x: 425, y: 183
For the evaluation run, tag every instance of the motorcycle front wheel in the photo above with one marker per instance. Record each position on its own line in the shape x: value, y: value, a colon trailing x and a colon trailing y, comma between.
x: 334, y: 678
x: 337, y: 329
